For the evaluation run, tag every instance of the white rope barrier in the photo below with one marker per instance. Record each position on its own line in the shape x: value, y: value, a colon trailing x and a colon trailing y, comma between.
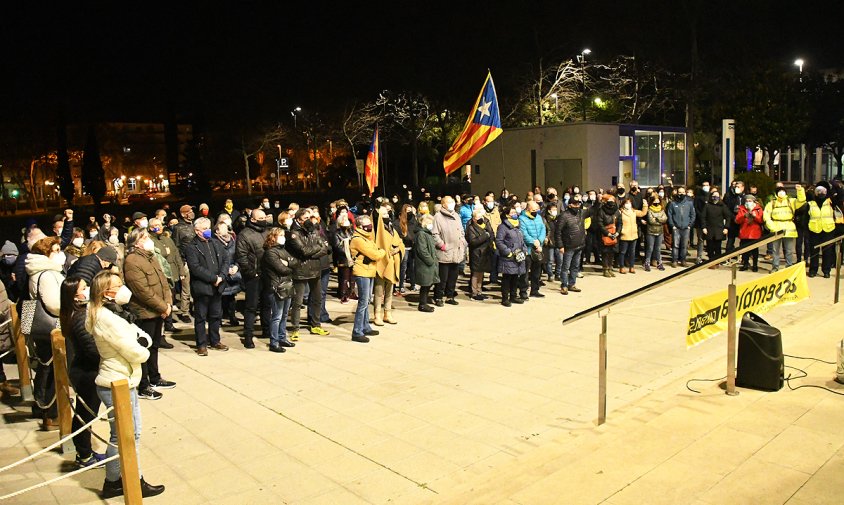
x: 53, y: 446
x: 77, y: 416
x: 4, y: 355
x: 61, y: 477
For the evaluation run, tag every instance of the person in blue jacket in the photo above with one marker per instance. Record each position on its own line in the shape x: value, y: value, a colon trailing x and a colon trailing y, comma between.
x: 534, y: 230
x: 681, y: 218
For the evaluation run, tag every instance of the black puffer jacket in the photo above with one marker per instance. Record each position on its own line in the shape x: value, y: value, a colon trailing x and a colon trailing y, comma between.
x: 204, y: 263
x: 570, y: 231
x: 86, y: 267
x: 86, y: 357
x: 308, y: 247
x: 410, y: 237
x: 277, y: 265
x: 481, y: 240
x: 249, y: 249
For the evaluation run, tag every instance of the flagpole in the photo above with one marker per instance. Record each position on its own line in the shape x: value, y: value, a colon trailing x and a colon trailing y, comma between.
x: 503, y: 165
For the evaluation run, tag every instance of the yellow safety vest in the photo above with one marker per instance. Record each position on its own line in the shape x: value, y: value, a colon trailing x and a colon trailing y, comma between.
x: 779, y: 216
x: 821, y: 218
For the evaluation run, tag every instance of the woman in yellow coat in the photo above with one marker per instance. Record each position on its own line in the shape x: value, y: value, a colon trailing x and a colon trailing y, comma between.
x: 365, y: 254
x: 388, y: 267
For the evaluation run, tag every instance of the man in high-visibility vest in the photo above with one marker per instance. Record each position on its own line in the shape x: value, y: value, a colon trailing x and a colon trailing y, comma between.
x: 821, y: 228
x: 779, y: 216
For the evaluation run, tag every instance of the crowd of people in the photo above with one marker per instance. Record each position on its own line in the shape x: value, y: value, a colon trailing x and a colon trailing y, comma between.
x: 118, y: 287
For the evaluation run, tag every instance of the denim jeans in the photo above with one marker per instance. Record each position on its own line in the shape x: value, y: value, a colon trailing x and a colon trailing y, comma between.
x: 554, y: 265
x: 113, y: 467
x: 406, y: 270
x: 570, y: 267
x: 700, y: 243
x: 626, y: 253
x: 362, y: 325
x: 680, y: 244
x: 278, y: 321
x: 654, y: 246
x: 787, y: 246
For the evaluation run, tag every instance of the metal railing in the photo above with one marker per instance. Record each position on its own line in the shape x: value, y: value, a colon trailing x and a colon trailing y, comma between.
x: 837, y: 263
x: 602, y: 309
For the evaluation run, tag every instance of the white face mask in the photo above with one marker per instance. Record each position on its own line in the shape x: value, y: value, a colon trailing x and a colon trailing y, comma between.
x: 280, y: 240
x: 123, y: 295
x: 113, y: 239
x: 78, y: 241
x: 332, y: 210
x: 266, y: 205
x: 87, y: 294
x: 93, y: 233
x: 429, y: 226
x: 553, y: 213
x: 450, y: 206
x: 58, y: 258
x: 705, y: 189
x: 148, y: 245
x: 661, y: 194
x: 628, y: 206
x: 781, y: 194
x: 288, y: 222
x: 490, y: 205
x: 144, y: 223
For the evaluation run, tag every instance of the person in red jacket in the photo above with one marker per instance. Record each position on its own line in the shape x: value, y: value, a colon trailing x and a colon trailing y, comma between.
x: 750, y: 218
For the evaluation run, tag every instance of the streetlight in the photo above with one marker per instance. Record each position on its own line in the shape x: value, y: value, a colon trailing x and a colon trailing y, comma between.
x: 556, y: 103
x: 581, y: 58
x: 278, y: 168
x: 293, y: 113
x: 799, y: 62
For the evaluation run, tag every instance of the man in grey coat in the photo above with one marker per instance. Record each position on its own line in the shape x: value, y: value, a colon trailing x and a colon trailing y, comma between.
x: 451, y: 250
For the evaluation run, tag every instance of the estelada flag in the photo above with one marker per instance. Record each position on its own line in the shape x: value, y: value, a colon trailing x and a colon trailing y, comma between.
x: 371, y: 169
x: 482, y: 127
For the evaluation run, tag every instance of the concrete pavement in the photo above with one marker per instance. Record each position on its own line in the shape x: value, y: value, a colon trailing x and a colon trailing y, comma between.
x: 485, y: 404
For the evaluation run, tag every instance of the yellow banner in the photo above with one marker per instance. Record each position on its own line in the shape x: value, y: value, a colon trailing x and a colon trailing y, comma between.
x: 708, y: 314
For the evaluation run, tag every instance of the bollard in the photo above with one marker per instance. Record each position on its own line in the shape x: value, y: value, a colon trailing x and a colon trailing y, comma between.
x: 23, y: 358
x: 62, y: 389
x: 731, y: 334
x: 125, y: 425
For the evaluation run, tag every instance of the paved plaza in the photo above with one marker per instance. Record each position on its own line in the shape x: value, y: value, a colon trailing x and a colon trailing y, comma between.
x: 483, y: 404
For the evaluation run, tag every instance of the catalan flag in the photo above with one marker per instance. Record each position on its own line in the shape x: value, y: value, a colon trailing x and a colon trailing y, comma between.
x: 482, y: 127
x: 371, y: 168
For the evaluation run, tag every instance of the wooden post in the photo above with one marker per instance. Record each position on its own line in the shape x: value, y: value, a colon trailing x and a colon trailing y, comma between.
x: 23, y: 359
x: 125, y: 423
x: 731, y: 334
x: 62, y: 389
x: 602, y: 372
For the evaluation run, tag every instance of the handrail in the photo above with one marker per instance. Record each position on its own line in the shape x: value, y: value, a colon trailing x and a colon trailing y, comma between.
x: 673, y: 277
x: 830, y: 242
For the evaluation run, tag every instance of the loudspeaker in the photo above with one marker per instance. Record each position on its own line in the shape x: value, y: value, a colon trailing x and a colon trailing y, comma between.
x: 761, y: 364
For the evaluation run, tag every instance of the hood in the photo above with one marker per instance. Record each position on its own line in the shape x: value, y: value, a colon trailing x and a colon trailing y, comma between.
x: 610, y: 206
x: 36, y: 263
x: 365, y: 234
x: 451, y: 214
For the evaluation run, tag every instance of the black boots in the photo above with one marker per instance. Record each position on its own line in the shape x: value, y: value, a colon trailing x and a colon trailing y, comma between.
x: 115, y: 488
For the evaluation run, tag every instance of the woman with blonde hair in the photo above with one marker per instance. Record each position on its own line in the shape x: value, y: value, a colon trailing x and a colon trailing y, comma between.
x: 123, y: 348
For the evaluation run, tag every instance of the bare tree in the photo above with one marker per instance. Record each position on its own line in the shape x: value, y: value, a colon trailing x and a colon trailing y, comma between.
x: 259, y: 143
x: 636, y: 86
x: 550, y: 93
x: 409, y: 116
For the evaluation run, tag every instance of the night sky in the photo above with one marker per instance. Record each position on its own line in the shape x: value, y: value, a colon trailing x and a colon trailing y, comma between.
x: 253, y: 61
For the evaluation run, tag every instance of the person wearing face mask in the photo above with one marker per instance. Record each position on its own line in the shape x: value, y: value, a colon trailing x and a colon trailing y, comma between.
x: 733, y: 200
x: 405, y: 224
x: 168, y: 250
x: 716, y: 218
x: 451, y: 244
x: 44, y: 265
x: 228, y: 209
x: 553, y: 258
x: 821, y: 213
x: 91, y: 264
x: 150, y: 301
x: 592, y: 250
x: 493, y: 215
x: 533, y: 228
x: 340, y: 234
x: 325, y: 266
x: 387, y: 268
x: 750, y: 219
x: 629, y: 236
x: 204, y: 209
x: 569, y: 240
x: 465, y: 209
x: 657, y: 218
x: 699, y: 202
x: 8, y: 257
x: 249, y: 249
x: 306, y: 245
x: 182, y: 236
x: 84, y: 365
x: 139, y: 220
x: 779, y: 216
x: 123, y: 348
x: 481, y: 240
x: 365, y: 254
x: 7, y: 345
x: 681, y: 217
x: 277, y: 266
x: 512, y: 252
x: 608, y: 218
x: 426, y: 269
x: 207, y: 275
x: 223, y: 241
x: 74, y: 249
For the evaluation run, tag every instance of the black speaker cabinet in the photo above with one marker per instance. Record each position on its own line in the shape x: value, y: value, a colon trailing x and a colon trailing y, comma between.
x: 761, y: 364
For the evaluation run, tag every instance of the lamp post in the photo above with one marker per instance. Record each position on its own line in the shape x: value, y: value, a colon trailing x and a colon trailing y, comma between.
x: 799, y: 62
x: 581, y: 58
x: 278, y: 168
x: 556, y: 103
x: 293, y: 113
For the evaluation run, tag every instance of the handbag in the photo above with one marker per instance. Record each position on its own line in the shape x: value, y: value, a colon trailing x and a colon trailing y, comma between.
x: 607, y: 240
x: 535, y: 255
x: 519, y: 255
x: 36, y: 320
x: 284, y: 289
